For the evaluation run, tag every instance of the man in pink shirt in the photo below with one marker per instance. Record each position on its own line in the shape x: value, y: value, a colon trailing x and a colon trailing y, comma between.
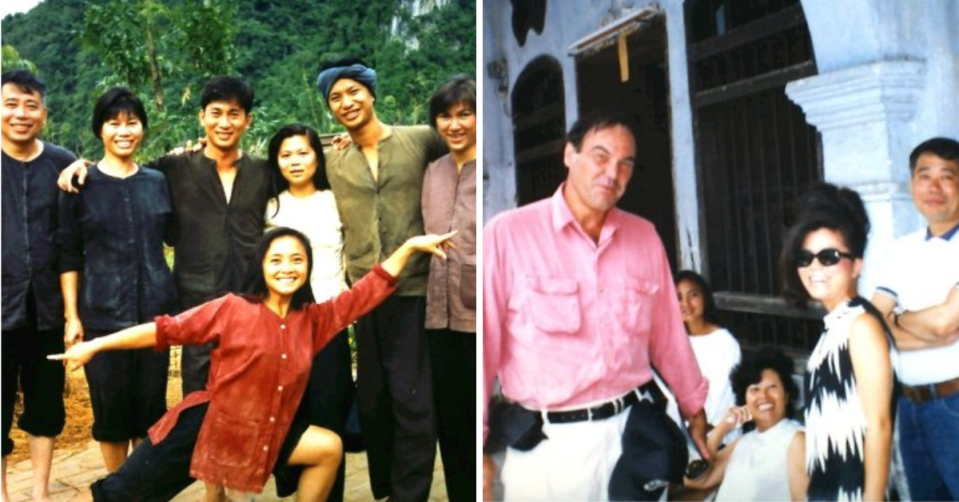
x: 579, y: 307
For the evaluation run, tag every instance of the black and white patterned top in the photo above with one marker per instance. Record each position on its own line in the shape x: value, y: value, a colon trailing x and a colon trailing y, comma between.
x: 835, y: 421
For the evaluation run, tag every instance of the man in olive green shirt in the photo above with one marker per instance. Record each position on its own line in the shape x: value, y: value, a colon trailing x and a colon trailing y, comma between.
x: 378, y: 182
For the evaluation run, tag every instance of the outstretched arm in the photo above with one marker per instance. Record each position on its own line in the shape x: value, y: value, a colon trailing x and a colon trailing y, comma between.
x: 79, y: 169
x: 425, y: 243
x: 136, y: 337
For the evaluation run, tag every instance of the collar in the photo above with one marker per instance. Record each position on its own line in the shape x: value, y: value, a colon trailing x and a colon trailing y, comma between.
x: 946, y: 236
x: 562, y: 217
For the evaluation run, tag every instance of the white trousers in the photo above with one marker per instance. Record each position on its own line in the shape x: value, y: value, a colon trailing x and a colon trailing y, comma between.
x: 575, y: 463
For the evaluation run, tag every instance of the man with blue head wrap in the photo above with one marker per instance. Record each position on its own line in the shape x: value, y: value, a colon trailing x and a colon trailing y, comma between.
x: 356, y: 71
x: 377, y: 181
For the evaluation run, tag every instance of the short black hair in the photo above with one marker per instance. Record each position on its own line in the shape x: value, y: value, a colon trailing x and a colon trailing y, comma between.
x: 710, y: 311
x: 944, y: 148
x: 227, y: 88
x: 750, y: 371
x: 116, y: 102
x: 254, y: 287
x: 277, y: 182
x: 25, y: 81
x: 597, y: 120
x: 459, y: 89
x: 822, y: 206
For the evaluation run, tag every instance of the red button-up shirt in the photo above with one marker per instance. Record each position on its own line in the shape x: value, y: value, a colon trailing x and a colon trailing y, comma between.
x: 258, y: 375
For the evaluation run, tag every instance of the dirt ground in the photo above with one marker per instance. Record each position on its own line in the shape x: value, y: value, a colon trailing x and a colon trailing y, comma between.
x: 76, y: 399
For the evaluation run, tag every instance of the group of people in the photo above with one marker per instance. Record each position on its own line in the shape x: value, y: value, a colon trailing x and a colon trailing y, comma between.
x: 274, y: 259
x: 581, y: 319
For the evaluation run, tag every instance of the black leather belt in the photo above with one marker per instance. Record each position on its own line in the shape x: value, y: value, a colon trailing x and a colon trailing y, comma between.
x: 600, y: 412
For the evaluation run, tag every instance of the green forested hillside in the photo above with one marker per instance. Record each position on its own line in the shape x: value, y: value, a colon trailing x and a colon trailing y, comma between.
x: 277, y: 45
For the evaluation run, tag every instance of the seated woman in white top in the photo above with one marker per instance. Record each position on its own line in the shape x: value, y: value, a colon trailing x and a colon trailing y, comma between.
x: 717, y: 351
x: 767, y: 463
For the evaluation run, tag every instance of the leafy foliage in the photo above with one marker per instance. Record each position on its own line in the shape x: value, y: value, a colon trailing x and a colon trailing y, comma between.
x: 81, y: 48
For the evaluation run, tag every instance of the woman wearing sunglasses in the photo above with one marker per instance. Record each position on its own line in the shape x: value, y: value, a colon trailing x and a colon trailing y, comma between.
x: 849, y: 378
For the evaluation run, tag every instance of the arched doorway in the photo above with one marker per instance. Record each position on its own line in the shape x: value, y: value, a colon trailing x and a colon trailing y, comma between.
x: 539, y: 129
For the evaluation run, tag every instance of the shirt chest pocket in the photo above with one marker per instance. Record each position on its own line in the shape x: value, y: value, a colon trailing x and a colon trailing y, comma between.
x: 637, y: 305
x: 551, y: 304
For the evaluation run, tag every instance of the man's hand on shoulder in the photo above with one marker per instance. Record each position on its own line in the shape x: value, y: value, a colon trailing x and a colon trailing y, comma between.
x: 78, y: 170
x: 189, y: 147
x: 341, y: 142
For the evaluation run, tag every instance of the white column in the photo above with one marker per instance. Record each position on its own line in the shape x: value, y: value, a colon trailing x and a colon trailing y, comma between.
x: 865, y: 116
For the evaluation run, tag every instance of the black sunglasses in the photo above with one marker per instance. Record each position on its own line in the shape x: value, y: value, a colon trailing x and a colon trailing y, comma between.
x: 828, y: 257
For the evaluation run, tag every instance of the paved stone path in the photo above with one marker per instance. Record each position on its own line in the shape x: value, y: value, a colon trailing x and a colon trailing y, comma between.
x: 74, y: 471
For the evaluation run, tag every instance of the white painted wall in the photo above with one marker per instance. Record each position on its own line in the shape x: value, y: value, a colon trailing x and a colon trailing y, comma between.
x: 872, y: 43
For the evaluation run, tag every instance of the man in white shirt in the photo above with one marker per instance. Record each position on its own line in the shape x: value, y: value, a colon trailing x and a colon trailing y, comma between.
x: 916, y: 290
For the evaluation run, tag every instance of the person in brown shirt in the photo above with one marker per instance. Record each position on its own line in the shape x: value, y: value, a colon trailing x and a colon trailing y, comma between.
x: 449, y: 203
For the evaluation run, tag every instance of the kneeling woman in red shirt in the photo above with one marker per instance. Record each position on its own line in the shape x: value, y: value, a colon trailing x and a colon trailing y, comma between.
x: 241, y: 426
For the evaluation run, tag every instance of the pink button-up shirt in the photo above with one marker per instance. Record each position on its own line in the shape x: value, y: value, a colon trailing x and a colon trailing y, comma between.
x: 569, y: 322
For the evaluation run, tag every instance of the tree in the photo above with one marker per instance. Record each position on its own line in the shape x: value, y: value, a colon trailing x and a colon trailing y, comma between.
x: 197, y: 39
x: 13, y: 61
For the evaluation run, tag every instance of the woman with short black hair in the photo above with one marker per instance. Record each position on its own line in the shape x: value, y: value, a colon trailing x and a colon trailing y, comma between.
x: 111, y: 237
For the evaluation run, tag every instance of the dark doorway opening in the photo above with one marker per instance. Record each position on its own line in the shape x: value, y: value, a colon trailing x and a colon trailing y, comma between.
x: 539, y: 129
x: 646, y: 96
x: 755, y: 153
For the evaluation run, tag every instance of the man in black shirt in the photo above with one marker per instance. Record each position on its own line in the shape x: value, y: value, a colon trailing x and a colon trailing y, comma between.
x: 32, y: 305
x: 219, y: 198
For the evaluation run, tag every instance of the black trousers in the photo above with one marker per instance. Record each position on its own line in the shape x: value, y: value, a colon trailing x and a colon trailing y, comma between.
x: 127, y: 390
x: 453, y: 358
x: 25, y: 365
x: 158, y: 472
x: 395, y: 396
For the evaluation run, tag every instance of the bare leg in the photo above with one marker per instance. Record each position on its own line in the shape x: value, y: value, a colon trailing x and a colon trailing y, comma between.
x: 114, y: 454
x: 321, y: 451
x: 6, y: 497
x: 214, y: 493
x: 41, y: 456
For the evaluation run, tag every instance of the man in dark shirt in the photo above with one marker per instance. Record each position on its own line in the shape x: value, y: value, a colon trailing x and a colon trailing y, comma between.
x: 378, y: 182
x: 32, y: 305
x: 219, y: 198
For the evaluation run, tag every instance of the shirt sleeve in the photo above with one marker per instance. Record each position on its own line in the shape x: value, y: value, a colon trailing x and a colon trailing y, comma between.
x: 496, y: 286
x: 669, y: 348
x: 335, y: 315
x: 200, y: 325
x: 886, y: 276
x: 69, y: 233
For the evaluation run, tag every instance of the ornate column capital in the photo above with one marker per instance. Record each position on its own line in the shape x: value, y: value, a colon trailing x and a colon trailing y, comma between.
x: 881, y: 92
